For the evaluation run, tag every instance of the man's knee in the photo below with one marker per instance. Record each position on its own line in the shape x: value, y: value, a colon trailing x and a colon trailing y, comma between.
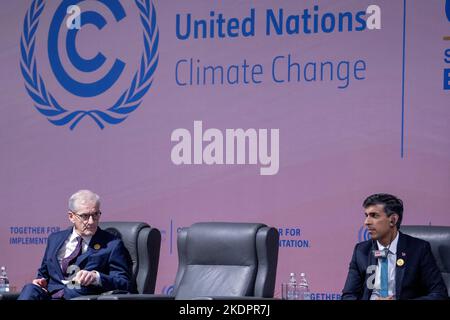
x: 33, y: 292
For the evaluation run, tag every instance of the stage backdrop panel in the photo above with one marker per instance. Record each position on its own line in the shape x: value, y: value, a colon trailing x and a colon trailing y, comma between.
x: 283, y: 112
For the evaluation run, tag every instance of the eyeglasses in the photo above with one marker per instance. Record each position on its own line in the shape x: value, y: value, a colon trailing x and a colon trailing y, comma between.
x: 85, y: 216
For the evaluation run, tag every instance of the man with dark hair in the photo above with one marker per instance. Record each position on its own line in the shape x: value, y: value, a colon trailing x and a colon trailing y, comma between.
x: 391, y: 265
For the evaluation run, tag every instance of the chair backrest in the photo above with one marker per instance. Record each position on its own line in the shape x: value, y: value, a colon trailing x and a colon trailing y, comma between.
x: 143, y: 243
x: 439, y: 239
x: 226, y: 259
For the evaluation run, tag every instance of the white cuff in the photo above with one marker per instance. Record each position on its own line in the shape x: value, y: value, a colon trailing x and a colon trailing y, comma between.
x: 97, y: 281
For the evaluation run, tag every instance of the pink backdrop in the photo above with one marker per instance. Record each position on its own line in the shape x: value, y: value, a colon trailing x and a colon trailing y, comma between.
x: 337, y: 145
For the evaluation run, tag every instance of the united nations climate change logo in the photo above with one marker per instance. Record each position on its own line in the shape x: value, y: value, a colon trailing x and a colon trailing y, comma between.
x: 447, y: 9
x: 168, y: 290
x: 47, y: 103
x: 363, y: 234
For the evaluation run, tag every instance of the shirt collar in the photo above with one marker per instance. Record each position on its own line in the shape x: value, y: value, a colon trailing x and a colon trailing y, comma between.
x: 74, y: 235
x: 392, y: 247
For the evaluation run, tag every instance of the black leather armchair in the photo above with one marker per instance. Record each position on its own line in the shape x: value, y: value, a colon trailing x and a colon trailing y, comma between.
x: 143, y: 243
x: 226, y: 259
x: 439, y: 239
x: 222, y: 260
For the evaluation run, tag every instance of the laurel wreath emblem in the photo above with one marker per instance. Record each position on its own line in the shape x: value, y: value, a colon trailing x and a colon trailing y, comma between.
x: 130, y: 99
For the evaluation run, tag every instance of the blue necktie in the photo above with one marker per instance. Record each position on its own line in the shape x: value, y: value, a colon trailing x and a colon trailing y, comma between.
x: 384, y: 278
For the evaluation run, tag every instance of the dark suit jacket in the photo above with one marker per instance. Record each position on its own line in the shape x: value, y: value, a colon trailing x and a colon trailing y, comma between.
x: 418, y: 278
x: 106, y: 254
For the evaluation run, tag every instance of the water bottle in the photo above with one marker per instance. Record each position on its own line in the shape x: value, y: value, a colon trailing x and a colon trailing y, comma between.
x: 303, y: 288
x: 292, y: 293
x: 4, y: 282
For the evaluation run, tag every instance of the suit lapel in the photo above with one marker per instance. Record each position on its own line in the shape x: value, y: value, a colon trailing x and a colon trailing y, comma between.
x: 95, y: 244
x: 84, y: 256
x: 400, y: 270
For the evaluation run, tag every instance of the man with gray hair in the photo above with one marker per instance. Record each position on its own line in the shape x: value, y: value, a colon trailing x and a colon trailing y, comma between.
x: 82, y: 259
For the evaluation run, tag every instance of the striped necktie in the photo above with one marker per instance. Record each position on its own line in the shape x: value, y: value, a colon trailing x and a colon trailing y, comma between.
x: 65, y: 264
x: 72, y: 257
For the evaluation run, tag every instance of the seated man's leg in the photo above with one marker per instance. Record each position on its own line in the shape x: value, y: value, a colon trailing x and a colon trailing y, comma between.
x: 33, y: 292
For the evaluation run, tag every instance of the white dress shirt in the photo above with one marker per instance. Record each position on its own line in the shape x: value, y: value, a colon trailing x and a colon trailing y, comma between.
x: 69, y: 246
x: 392, y: 259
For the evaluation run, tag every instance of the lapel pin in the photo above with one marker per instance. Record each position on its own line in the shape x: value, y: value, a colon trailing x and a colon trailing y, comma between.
x: 400, y: 262
x: 97, y: 246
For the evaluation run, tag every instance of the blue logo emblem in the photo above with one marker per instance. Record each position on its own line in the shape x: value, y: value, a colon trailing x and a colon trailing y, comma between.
x: 168, y: 290
x: 447, y: 9
x: 363, y: 234
x: 130, y: 99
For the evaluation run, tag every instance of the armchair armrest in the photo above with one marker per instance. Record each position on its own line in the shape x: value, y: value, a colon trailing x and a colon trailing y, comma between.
x: 242, y: 298
x: 9, y: 296
x: 96, y: 296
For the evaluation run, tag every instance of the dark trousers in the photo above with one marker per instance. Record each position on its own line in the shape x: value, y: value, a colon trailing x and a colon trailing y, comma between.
x: 33, y: 292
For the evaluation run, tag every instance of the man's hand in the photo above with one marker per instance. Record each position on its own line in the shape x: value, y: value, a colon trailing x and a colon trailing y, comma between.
x: 42, y: 282
x: 86, y: 278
